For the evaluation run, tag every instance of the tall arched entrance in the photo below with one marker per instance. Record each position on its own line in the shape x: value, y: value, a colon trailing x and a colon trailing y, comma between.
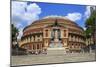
x: 55, y: 41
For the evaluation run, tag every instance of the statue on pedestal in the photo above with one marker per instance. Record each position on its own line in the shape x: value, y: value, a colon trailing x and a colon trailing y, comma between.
x: 56, y: 39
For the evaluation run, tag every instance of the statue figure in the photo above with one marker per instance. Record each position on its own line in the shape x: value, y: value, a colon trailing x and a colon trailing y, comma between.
x: 56, y: 40
x: 56, y: 34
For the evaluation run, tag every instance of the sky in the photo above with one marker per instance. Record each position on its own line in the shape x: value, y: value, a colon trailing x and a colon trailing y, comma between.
x: 24, y: 13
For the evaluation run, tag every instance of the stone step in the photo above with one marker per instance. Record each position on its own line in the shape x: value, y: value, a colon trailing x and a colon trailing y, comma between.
x: 56, y: 51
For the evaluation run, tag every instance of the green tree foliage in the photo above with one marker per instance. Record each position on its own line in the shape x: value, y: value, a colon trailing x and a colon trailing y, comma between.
x: 90, y: 25
x: 14, y: 31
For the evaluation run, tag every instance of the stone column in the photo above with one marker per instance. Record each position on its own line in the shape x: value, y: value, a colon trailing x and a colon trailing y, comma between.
x: 26, y: 40
x: 31, y: 46
x: 36, y: 49
x: 32, y: 39
x: 41, y: 46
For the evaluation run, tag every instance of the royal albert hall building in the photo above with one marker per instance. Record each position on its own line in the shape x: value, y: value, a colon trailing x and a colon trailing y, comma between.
x: 53, y: 32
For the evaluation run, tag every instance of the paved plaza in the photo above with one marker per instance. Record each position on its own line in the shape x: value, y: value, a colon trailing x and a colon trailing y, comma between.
x: 45, y: 59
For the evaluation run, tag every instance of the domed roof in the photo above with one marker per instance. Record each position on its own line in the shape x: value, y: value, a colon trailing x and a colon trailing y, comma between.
x: 53, y: 18
x: 50, y: 20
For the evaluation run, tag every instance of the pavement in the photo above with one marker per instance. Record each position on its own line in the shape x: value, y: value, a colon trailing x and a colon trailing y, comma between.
x: 51, y: 59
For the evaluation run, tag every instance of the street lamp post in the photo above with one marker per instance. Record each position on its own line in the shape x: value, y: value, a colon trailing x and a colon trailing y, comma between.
x: 16, y: 43
x: 90, y: 49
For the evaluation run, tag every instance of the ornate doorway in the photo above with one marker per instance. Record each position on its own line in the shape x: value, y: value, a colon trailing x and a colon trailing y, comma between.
x: 55, y: 38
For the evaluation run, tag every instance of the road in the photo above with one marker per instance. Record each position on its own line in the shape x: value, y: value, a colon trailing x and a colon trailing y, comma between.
x: 45, y: 59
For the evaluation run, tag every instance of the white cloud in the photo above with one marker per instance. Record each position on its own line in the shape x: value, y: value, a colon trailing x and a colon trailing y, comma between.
x: 20, y: 33
x: 87, y: 12
x: 23, y: 14
x: 84, y: 28
x: 33, y: 8
x: 71, y: 16
x: 74, y: 16
x: 18, y: 8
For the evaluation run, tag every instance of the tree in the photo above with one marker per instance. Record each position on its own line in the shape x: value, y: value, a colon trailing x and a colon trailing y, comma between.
x: 90, y: 25
x: 14, y: 31
x: 90, y: 31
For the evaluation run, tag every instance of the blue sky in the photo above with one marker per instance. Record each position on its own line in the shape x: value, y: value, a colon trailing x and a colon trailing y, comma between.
x: 62, y: 10
x: 24, y: 13
x: 59, y: 9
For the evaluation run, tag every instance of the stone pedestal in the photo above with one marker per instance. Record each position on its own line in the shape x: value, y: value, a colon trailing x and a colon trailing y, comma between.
x: 56, y: 51
x: 55, y: 42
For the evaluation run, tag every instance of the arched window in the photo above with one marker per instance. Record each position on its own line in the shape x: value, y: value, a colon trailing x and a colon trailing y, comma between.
x: 64, y: 33
x: 33, y: 47
x: 38, y: 39
x: 46, y: 33
x: 72, y: 45
x: 29, y: 46
x: 37, y: 46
